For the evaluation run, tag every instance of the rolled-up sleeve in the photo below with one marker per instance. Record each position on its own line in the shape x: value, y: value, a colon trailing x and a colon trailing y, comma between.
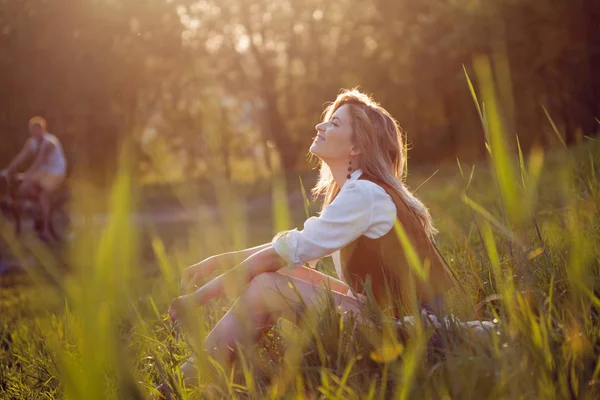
x: 341, y: 222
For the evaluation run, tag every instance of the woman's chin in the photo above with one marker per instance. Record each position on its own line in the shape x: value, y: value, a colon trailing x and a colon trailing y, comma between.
x: 314, y: 149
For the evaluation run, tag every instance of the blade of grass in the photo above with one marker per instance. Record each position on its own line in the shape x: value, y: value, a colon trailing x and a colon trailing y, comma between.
x: 489, y: 217
x: 410, y: 253
x: 502, y: 163
x: 305, y: 200
x: 474, y: 95
x: 521, y: 164
x: 425, y: 181
x: 554, y: 128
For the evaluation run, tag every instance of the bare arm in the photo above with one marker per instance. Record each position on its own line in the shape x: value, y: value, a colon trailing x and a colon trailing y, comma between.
x: 234, y: 280
x: 19, y: 158
x: 230, y: 259
x: 221, y: 262
x: 315, y: 277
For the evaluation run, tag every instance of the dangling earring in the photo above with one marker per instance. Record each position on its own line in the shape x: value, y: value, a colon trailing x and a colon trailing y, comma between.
x: 349, y: 169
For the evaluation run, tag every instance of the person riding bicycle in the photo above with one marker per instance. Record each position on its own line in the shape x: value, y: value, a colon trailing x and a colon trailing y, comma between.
x: 46, y: 173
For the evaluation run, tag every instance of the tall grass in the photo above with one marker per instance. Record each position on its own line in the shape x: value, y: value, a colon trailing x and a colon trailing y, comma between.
x: 521, y: 232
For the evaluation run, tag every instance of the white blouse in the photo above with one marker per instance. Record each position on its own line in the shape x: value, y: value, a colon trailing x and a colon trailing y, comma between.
x: 361, y: 208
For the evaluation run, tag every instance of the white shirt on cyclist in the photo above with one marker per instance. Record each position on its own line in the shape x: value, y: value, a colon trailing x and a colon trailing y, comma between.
x: 55, y: 163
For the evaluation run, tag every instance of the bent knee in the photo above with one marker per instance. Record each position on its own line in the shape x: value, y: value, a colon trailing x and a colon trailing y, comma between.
x: 264, y: 280
x: 266, y: 283
x: 25, y: 191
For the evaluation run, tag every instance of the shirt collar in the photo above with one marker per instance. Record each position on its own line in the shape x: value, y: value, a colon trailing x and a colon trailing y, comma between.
x: 355, y: 175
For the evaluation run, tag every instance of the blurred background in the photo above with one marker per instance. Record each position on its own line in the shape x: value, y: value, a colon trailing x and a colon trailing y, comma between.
x: 194, y: 118
x: 200, y: 88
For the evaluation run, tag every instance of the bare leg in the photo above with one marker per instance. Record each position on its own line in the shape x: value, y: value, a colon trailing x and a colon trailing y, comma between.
x: 27, y: 190
x: 45, y: 204
x: 267, y: 297
x: 316, y: 278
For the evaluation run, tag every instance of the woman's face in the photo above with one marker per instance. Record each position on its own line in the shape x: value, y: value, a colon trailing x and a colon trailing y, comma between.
x: 334, y: 137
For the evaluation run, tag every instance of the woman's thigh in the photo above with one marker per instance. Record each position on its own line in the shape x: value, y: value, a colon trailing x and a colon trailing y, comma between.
x: 288, y: 296
x: 316, y: 278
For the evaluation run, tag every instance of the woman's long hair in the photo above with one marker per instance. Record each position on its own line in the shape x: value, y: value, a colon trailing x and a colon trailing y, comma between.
x: 379, y: 138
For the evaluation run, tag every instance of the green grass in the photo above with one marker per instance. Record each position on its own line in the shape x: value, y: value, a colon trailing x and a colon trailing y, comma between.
x: 102, y: 332
x: 522, y: 233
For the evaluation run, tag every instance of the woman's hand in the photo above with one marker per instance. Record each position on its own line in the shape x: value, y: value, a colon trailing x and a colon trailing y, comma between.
x: 231, y: 282
x: 192, y: 275
x: 195, y: 296
x: 181, y: 306
x: 223, y: 262
x: 179, y: 309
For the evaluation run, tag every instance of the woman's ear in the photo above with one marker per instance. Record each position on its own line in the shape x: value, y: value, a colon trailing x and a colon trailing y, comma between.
x: 354, y: 151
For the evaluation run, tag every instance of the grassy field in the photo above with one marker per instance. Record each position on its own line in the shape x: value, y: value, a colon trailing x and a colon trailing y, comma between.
x: 522, y: 234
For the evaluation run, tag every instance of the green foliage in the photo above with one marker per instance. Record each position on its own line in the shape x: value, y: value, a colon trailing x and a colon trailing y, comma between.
x: 521, y: 232
x: 103, y: 332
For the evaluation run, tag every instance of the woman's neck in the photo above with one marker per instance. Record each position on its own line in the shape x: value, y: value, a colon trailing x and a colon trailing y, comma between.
x: 340, y: 172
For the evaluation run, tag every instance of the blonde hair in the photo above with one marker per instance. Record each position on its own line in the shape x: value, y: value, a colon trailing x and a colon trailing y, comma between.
x: 37, y: 120
x: 379, y: 138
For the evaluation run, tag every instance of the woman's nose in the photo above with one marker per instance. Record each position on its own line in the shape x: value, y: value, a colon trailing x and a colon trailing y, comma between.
x: 320, y: 127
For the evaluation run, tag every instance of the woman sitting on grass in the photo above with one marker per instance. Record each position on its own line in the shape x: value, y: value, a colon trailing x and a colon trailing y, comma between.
x: 360, y: 147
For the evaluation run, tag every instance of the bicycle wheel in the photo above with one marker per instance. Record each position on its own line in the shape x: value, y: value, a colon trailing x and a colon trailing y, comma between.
x: 60, y: 224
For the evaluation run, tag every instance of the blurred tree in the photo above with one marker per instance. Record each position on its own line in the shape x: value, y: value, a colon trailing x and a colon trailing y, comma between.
x: 86, y: 66
x: 221, y: 81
